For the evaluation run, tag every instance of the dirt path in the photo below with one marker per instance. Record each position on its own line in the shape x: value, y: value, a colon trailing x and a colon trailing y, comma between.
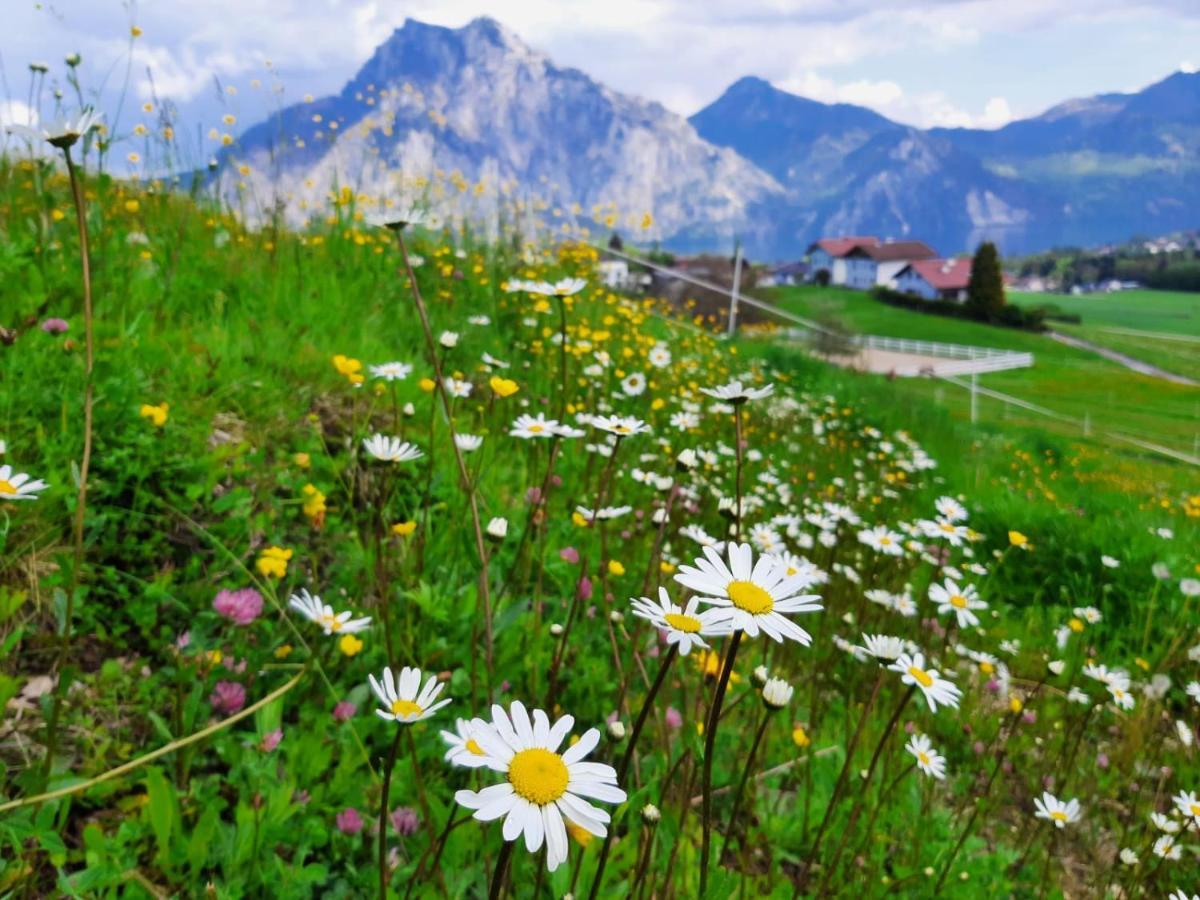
x: 1128, y: 362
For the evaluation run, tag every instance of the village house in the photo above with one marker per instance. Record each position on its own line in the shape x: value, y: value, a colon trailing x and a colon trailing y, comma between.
x: 787, y: 274
x: 891, y: 257
x: 831, y: 261
x: 936, y: 279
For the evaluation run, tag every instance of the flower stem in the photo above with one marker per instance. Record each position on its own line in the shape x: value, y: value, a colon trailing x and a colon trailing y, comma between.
x: 85, y: 272
x: 500, y: 871
x: 623, y: 767
x: 383, y: 812
x: 710, y: 734
x: 741, y: 788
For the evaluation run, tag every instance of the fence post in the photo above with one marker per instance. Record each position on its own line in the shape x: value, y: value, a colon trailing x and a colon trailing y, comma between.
x: 1087, y: 424
x: 733, y: 295
x: 974, y: 397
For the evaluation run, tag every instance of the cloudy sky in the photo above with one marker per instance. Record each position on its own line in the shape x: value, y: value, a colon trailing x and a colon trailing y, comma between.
x: 925, y: 62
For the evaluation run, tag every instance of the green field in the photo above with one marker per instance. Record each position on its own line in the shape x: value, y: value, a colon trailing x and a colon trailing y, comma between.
x: 1065, y: 380
x: 1160, y: 327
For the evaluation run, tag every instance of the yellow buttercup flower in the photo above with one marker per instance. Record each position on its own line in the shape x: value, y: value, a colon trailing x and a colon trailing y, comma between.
x: 349, y: 644
x: 404, y: 529
x: 283, y: 652
x: 156, y: 414
x: 427, y: 385
x: 273, y: 562
x: 504, y: 387
x: 303, y: 460
x: 350, y: 367
x: 1016, y: 539
x: 800, y: 737
x: 615, y: 568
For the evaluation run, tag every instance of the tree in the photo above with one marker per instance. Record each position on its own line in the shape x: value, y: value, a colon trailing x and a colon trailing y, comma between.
x: 985, y: 289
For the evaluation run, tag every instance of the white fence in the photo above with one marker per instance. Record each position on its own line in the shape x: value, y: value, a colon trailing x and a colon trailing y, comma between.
x: 928, y: 356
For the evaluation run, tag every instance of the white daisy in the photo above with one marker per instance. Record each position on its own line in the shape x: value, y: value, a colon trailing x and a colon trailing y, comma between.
x: 883, y: 539
x: 1054, y: 810
x: 883, y: 646
x: 603, y: 514
x: 620, y: 425
x: 311, y: 607
x: 934, y: 687
x: 456, y: 387
x: 62, y: 132
x: 949, y: 508
x: 659, y: 356
x: 468, y: 443
x: 961, y: 601
x: 400, y: 698
x: 527, y: 426
x: 1168, y: 848
x: 543, y: 788
x: 1188, y: 805
x: 462, y: 747
x: 634, y: 384
x: 735, y: 392
x: 391, y: 449
x: 929, y: 761
x: 392, y: 371
x: 18, y: 486
x: 684, y: 627
x: 755, y: 594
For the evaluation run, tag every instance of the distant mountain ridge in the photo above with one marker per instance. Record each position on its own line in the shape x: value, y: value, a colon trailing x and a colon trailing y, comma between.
x: 771, y: 168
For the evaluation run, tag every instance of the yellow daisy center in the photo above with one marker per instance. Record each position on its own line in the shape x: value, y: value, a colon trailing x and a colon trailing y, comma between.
x: 7, y: 487
x: 472, y: 746
x: 947, y: 527
x: 791, y: 570
x: 539, y: 776
x: 537, y: 429
x: 921, y: 676
x: 958, y: 601
x: 1194, y: 809
x: 622, y: 429
x: 749, y: 597
x: 680, y: 622
x: 923, y: 757
x: 1058, y: 815
x: 406, y: 708
x: 885, y: 541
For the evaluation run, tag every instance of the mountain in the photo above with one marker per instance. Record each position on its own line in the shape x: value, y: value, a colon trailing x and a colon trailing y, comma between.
x: 477, y: 103
x: 464, y: 117
x: 1086, y: 171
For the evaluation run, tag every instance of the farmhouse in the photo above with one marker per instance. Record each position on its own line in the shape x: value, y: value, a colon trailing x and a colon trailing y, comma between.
x: 891, y: 257
x: 831, y: 261
x: 786, y: 274
x: 936, y: 279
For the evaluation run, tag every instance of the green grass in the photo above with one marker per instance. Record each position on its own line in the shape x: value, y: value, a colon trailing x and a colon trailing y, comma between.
x: 1068, y: 381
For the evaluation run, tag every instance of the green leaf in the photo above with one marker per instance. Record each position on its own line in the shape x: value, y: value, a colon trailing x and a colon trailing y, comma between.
x: 202, y: 839
x: 162, y: 810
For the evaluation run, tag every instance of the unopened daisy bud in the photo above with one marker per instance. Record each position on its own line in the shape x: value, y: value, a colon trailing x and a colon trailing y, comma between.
x: 660, y: 516
x: 1056, y: 666
x: 760, y: 676
x: 1128, y: 857
x: 616, y: 617
x: 448, y: 339
x: 409, y: 410
x: 556, y: 630
x: 776, y: 693
x: 497, y: 529
x: 650, y: 814
x: 73, y: 59
x: 616, y: 731
x: 686, y: 460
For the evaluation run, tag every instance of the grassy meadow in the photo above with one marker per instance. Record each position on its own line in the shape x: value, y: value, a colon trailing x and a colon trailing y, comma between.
x: 1161, y: 327
x: 707, y: 618
x: 1068, y: 381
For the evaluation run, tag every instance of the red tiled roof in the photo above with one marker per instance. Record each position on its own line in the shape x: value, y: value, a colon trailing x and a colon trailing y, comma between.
x: 840, y: 246
x: 892, y: 251
x: 944, y: 274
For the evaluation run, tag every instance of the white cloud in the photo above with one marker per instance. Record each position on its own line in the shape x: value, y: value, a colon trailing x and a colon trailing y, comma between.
x: 1188, y: 67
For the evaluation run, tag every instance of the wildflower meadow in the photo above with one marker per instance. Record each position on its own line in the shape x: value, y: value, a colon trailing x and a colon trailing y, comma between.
x: 392, y: 555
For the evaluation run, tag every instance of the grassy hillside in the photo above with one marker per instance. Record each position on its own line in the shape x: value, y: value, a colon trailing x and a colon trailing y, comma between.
x: 1066, y: 380
x: 172, y: 719
x: 1161, y: 327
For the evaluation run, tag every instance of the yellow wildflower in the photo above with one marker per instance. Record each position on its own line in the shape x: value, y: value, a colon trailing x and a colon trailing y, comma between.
x: 273, y: 562
x: 156, y: 414
x: 404, y: 529
x: 504, y: 387
x: 349, y: 644
x: 615, y: 568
